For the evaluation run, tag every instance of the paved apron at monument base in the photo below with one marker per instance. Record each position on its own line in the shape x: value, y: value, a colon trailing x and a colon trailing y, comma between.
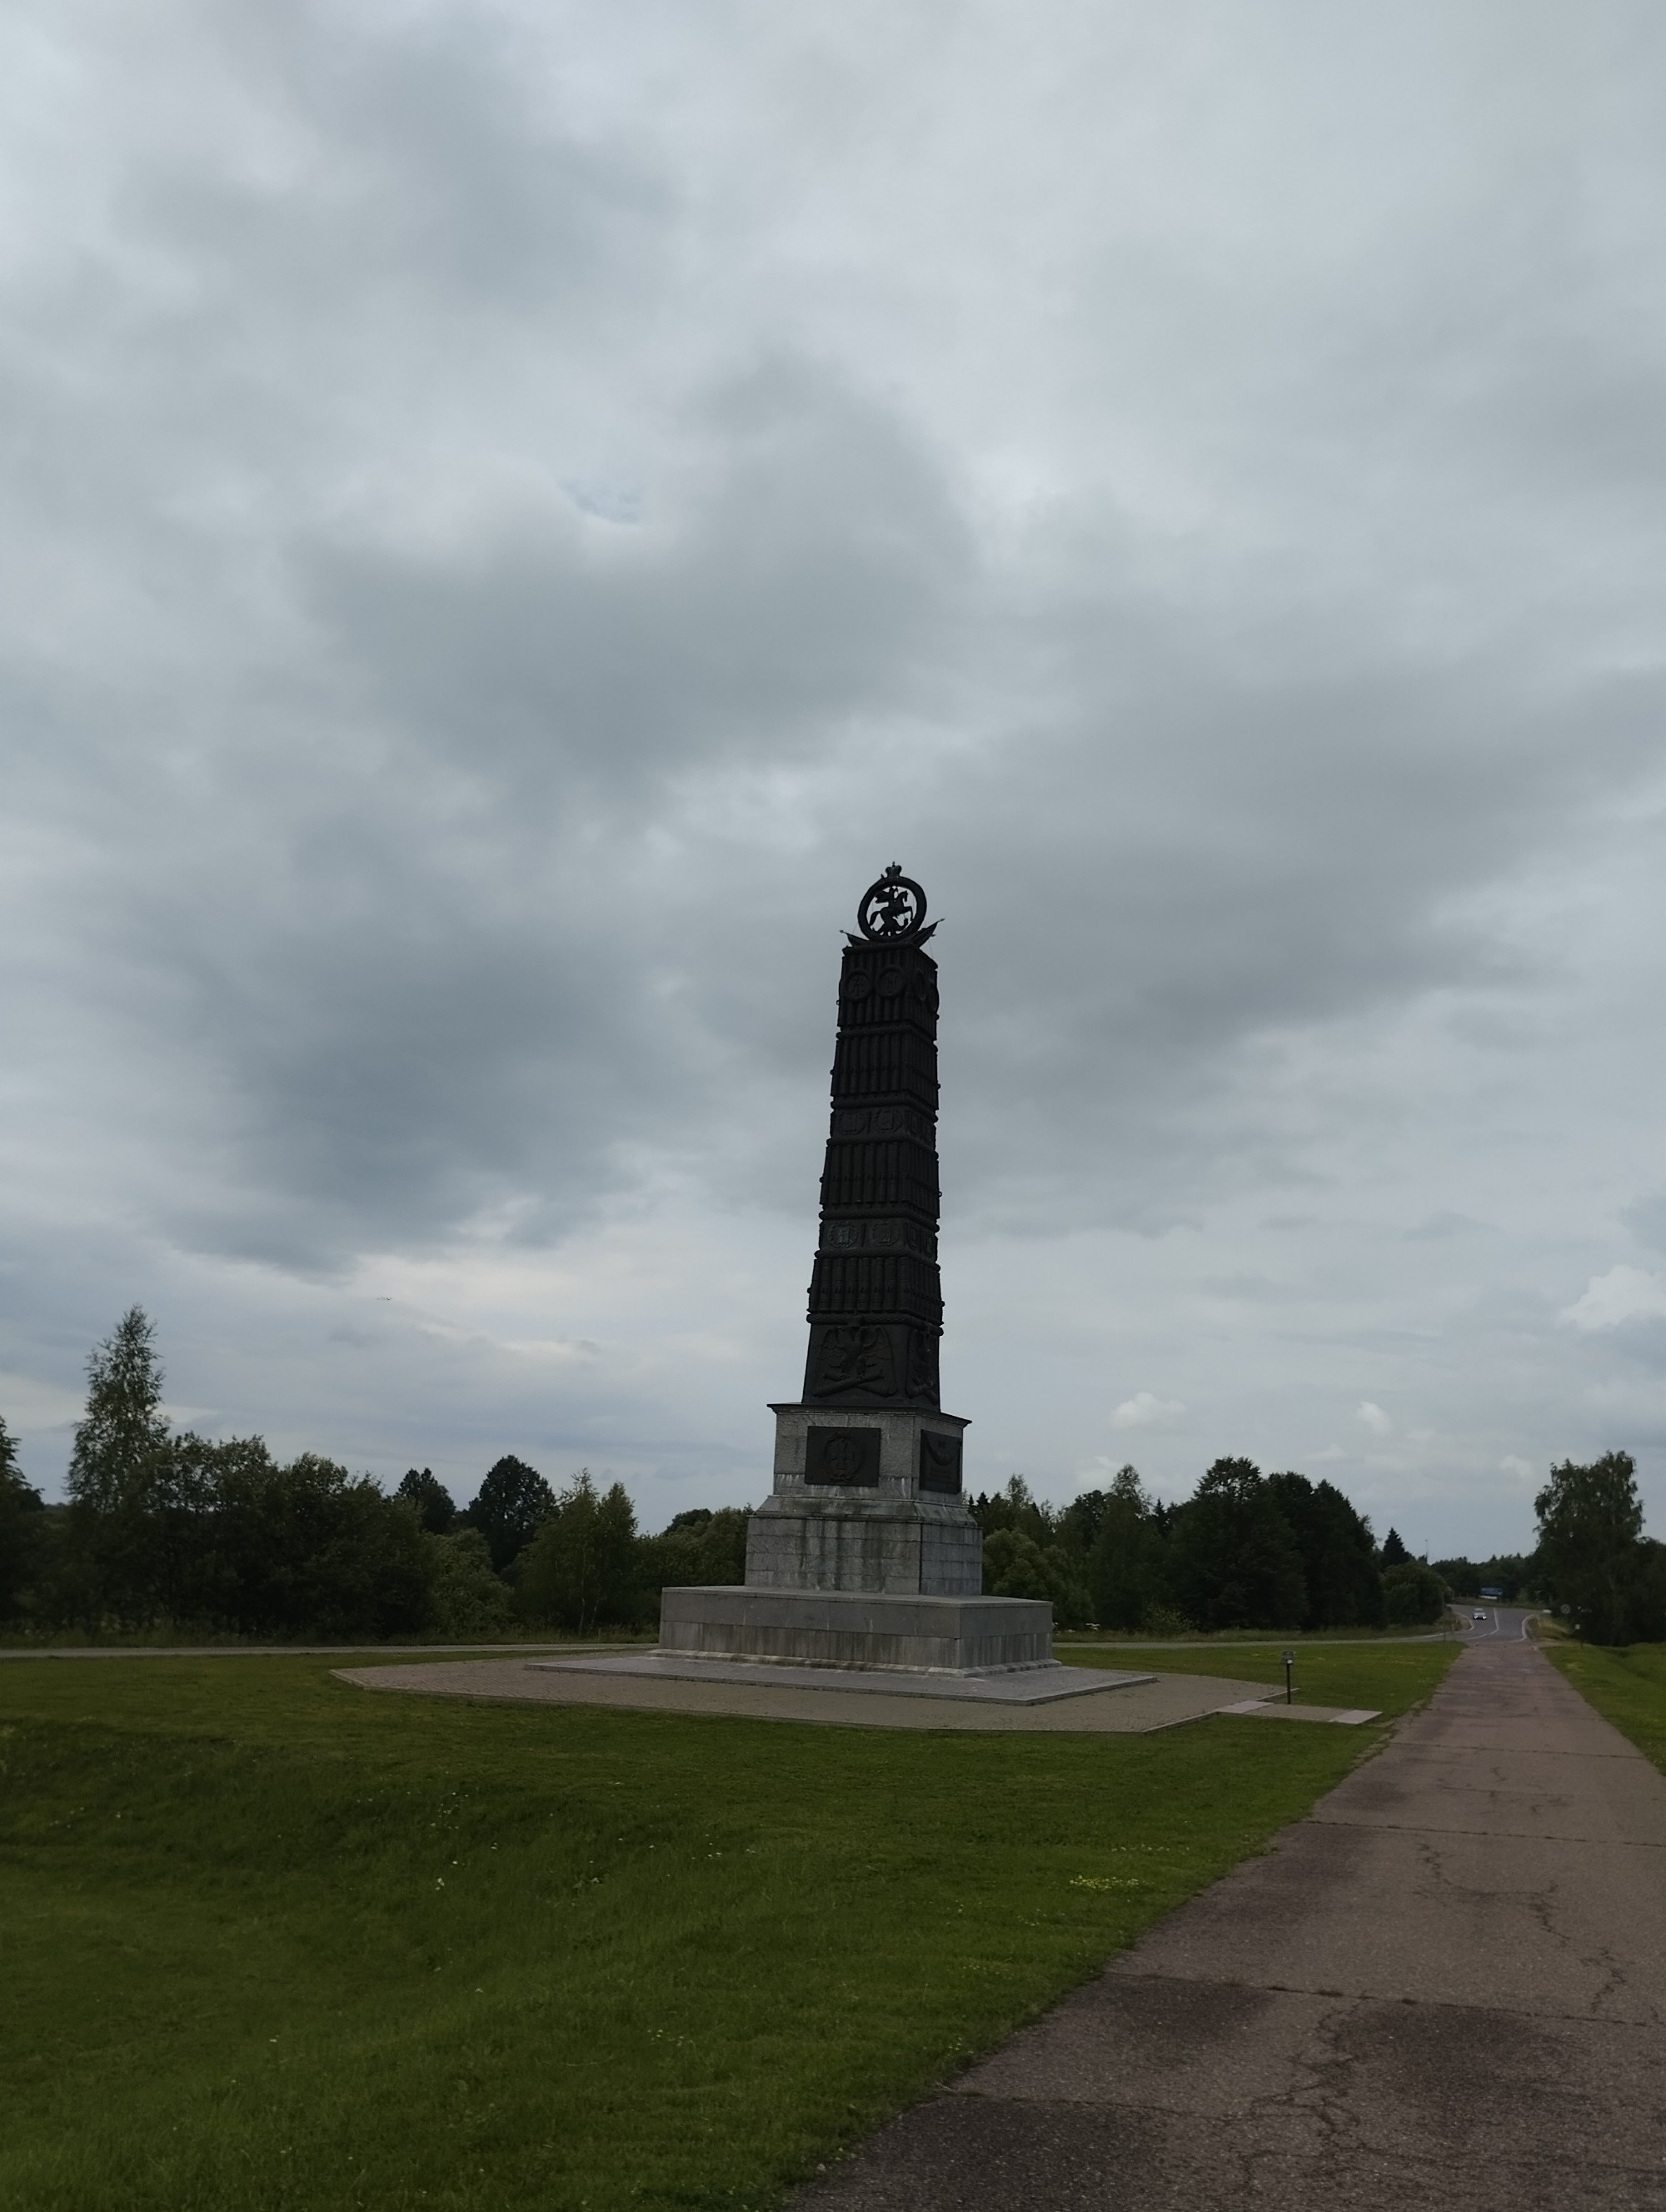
x: 1159, y: 1702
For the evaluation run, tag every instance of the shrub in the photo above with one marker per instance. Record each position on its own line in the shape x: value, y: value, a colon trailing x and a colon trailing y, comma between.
x: 1015, y: 1565
x: 1412, y: 1595
x: 581, y: 1570
x: 469, y: 1599
x: 699, y: 1547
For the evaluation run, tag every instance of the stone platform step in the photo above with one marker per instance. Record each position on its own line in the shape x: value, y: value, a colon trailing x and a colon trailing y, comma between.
x: 1273, y: 1708
x: 1020, y: 1686
x: 906, y: 1632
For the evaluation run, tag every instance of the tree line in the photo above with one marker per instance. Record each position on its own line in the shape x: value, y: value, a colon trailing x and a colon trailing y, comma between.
x: 1246, y: 1550
x: 167, y: 1529
x: 1252, y: 1551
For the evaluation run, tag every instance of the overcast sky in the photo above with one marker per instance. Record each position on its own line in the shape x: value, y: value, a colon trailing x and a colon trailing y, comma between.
x: 513, y: 515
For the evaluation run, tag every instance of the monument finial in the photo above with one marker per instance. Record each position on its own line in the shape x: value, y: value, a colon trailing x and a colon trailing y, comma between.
x: 893, y: 907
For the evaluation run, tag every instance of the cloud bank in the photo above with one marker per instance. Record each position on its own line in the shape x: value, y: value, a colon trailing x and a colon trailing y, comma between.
x: 513, y: 516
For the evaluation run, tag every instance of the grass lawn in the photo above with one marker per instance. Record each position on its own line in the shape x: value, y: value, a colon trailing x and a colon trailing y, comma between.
x: 1387, y: 1678
x: 269, y: 1941
x: 1627, y: 1687
x: 1297, y: 1639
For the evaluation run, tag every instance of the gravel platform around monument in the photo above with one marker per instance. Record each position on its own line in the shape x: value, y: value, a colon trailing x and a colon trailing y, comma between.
x: 1446, y: 1985
x: 1156, y: 1702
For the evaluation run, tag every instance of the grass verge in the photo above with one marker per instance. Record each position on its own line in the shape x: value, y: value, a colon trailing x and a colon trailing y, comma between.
x: 176, y: 1643
x: 270, y: 1942
x: 1627, y: 1687
x: 1386, y: 1678
x: 1239, y: 1639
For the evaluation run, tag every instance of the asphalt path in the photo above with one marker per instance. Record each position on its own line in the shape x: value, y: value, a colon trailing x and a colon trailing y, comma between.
x: 1446, y: 1986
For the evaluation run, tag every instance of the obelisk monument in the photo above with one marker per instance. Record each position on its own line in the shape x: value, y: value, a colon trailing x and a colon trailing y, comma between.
x: 865, y: 1555
x: 867, y: 1488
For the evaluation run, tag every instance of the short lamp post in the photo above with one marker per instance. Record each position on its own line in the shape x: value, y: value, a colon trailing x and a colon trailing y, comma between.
x: 1289, y: 1658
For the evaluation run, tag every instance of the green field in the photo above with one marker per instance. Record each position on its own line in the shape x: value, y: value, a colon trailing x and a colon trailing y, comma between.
x: 1099, y: 1640
x: 1386, y: 1678
x: 1627, y: 1687
x: 269, y: 1940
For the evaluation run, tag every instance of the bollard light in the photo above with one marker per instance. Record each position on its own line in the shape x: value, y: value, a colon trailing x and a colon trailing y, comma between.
x: 1289, y: 1658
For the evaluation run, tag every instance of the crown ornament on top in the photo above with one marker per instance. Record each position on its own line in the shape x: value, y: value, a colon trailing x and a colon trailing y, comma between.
x: 893, y: 909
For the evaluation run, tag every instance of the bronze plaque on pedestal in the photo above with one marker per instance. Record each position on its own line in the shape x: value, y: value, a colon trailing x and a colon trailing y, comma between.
x: 940, y: 1462
x: 843, y: 1455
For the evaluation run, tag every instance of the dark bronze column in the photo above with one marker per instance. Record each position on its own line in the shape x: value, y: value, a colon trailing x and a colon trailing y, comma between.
x: 876, y: 1299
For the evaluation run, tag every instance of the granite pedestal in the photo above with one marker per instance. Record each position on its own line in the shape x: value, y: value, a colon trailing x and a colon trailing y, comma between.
x: 856, y: 1629
x: 864, y: 1556
x: 867, y: 1501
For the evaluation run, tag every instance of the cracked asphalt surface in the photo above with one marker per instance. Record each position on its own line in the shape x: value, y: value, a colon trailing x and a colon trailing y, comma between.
x: 1446, y: 1985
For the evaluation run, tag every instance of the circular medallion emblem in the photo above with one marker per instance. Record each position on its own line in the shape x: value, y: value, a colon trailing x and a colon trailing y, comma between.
x: 895, y: 906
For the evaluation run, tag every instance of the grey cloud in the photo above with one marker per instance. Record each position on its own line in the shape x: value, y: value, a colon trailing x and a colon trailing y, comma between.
x: 1253, y: 1288
x: 445, y: 992
x: 807, y: 575
x: 505, y: 540
x: 1439, y: 1228
x: 1646, y: 1220
x: 1306, y: 862
x: 385, y: 160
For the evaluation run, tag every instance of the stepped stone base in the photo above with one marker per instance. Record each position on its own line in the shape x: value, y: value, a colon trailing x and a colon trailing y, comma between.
x: 856, y: 1629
